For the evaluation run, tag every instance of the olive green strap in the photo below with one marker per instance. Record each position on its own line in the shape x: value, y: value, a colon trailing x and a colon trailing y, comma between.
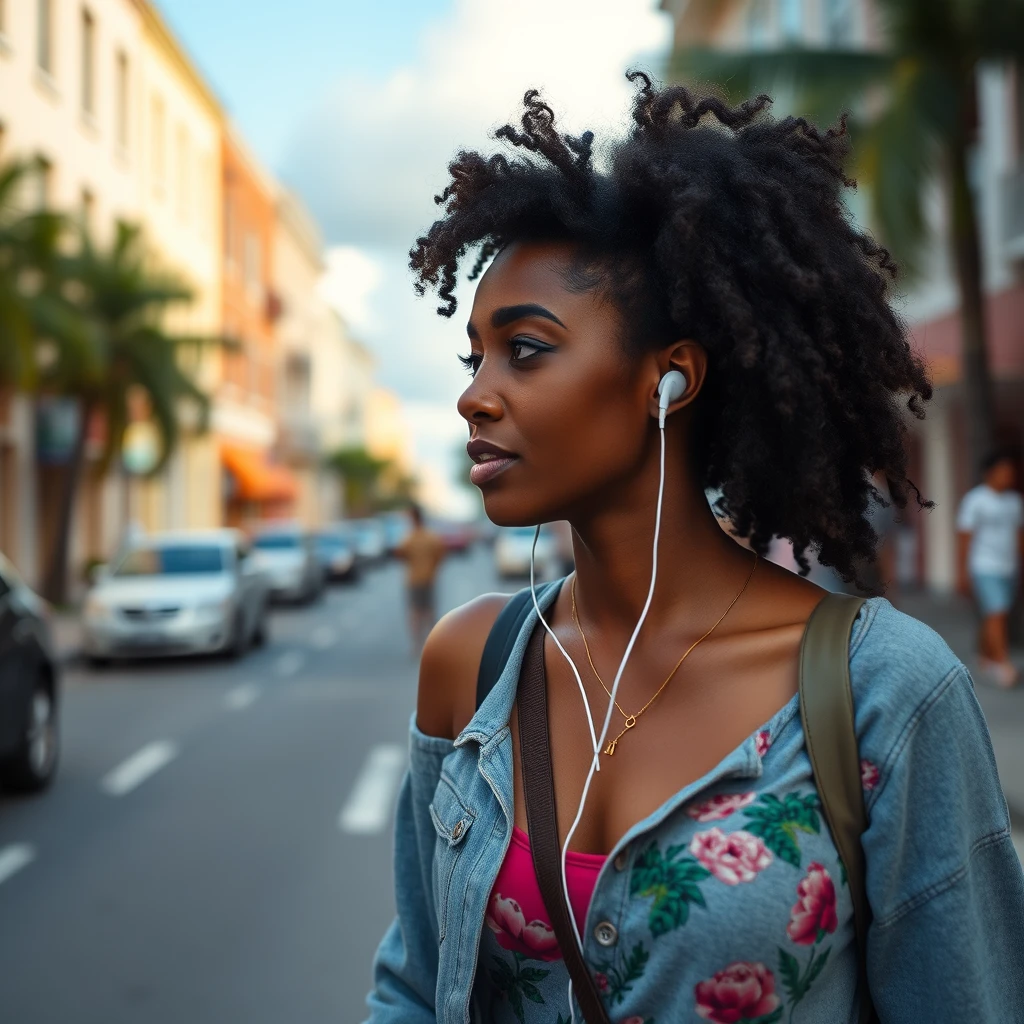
x: 826, y: 709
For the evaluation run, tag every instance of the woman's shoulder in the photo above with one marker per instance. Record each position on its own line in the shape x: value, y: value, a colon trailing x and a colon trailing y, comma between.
x: 449, y: 666
x: 899, y: 669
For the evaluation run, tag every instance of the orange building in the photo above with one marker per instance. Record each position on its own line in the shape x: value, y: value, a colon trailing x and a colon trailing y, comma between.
x: 246, y: 409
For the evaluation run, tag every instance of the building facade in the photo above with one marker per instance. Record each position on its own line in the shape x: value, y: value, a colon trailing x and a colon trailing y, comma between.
x: 925, y: 543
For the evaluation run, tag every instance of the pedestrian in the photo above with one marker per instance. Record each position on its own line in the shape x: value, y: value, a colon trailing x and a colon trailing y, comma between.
x: 423, y: 552
x: 990, y: 548
x: 694, y: 311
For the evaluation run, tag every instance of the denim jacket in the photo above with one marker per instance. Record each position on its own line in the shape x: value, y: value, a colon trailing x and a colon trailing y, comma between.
x: 729, y: 902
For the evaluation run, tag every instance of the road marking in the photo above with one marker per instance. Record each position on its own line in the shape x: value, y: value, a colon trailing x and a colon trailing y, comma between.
x: 1018, y: 844
x: 289, y: 663
x: 13, y: 858
x: 324, y: 637
x: 241, y: 697
x: 134, y: 771
x: 369, y: 805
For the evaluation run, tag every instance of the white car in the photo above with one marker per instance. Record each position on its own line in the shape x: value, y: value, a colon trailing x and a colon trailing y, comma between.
x: 289, y: 557
x: 186, y: 592
x: 512, y: 552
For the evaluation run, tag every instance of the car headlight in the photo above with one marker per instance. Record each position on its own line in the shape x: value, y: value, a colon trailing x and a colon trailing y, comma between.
x: 214, y: 608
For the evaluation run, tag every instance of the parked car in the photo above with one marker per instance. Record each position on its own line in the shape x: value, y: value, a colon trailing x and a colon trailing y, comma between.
x: 370, y: 539
x: 29, y: 688
x: 512, y: 552
x: 337, y: 554
x: 288, y: 555
x: 182, y: 592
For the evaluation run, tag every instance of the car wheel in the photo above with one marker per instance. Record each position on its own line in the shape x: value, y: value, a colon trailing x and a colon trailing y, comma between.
x: 262, y: 633
x: 239, y: 641
x: 34, y: 764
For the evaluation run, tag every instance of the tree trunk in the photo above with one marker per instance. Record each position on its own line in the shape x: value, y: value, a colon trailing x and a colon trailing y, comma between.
x: 55, y: 587
x: 965, y: 243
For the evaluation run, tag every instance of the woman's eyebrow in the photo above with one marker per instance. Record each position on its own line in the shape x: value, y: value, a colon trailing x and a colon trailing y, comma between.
x: 505, y: 315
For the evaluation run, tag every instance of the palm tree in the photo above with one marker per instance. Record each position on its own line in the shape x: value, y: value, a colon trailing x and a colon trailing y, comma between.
x: 28, y: 252
x: 360, y: 474
x: 914, y: 107
x: 108, y: 349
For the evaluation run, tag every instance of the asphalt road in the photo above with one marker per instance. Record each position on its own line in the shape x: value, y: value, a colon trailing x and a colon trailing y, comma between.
x: 217, y: 846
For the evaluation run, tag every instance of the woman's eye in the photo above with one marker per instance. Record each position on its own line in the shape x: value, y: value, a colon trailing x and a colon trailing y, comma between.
x: 526, y: 348
x: 471, y: 363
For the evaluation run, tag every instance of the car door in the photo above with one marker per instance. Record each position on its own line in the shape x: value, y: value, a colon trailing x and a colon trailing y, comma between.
x: 15, y: 663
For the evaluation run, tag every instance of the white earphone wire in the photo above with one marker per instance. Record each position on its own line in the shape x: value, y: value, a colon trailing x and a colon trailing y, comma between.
x: 595, y: 764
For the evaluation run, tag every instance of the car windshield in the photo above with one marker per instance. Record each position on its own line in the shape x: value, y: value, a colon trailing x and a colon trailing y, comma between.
x: 277, y: 542
x: 172, y: 560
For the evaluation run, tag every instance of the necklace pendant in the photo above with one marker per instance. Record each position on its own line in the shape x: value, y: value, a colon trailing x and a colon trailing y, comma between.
x: 631, y: 721
x: 610, y: 749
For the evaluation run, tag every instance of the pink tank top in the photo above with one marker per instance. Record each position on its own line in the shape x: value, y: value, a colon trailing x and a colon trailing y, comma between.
x: 516, y: 912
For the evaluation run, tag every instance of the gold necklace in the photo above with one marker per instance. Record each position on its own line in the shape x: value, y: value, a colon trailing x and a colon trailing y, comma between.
x: 631, y: 720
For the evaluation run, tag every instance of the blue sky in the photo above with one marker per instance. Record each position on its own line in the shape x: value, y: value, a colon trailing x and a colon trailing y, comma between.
x: 269, y: 62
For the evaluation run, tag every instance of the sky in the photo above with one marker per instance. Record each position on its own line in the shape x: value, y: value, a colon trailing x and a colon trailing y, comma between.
x: 358, y: 107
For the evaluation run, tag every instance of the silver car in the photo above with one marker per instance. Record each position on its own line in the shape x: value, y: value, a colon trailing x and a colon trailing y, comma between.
x: 288, y: 556
x: 178, y: 593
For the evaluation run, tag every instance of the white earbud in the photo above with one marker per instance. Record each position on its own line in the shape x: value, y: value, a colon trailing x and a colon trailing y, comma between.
x: 671, y: 387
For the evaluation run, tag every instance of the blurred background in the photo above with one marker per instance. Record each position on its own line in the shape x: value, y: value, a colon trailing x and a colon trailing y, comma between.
x: 219, y: 396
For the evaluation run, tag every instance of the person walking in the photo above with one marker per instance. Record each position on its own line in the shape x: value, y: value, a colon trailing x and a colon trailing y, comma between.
x: 692, y: 310
x: 990, y: 548
x: 423, y: 552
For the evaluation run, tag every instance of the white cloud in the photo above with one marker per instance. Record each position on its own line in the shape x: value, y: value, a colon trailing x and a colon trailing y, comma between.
x: 374, y: 153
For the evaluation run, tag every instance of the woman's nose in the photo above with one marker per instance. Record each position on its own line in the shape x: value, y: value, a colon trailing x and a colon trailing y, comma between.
x: 477, y: 404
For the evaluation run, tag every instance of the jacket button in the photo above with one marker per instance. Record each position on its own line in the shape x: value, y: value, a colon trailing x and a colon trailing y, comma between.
x: 457, y: 831
x: 621, y: 860
x: 606, y: 933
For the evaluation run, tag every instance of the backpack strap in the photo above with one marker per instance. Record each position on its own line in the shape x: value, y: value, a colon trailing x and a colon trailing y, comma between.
x: 500, y: 641
x: 826, y: 710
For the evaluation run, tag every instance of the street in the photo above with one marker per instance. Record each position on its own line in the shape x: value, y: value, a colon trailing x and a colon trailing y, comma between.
x: 217, y: 844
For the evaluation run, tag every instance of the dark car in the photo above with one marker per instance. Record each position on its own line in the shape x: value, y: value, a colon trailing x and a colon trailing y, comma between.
x: 29, y: 688
x: 337, y: 554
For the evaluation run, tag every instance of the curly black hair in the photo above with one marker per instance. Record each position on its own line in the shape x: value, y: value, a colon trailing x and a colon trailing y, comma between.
x: 724, y: 225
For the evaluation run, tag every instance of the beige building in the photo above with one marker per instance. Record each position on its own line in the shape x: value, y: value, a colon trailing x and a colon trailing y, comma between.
x: 70, y: 95
x: 179, y: 187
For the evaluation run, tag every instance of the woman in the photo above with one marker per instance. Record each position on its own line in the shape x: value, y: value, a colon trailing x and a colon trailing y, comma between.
x: 703, y: 881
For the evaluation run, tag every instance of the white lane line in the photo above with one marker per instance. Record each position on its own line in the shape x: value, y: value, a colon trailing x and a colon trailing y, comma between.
x: 369, y: 805
x: 289, y: 663
x: 139, y: 767
x: 1018, y: 845
x: 323, y: 637
x: 241, y: 697
x: 13, y: 858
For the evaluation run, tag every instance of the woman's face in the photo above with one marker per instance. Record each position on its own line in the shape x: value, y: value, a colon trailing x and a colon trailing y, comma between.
x: 559, y: 414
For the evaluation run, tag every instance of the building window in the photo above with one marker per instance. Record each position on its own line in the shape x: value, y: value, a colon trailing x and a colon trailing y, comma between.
x: 229, y: 231
x: 159, y: 157
x: 251, y: 266
x: 182, y: 185
x: 791, y: 20
x: 88, y: 213
x: 838, y: 21
x: 88, y: 62
x: 121, y: 100
x: 44, y: 35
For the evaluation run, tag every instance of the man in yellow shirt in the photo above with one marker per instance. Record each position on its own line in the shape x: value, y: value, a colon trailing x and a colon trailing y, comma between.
x: 422, y: 551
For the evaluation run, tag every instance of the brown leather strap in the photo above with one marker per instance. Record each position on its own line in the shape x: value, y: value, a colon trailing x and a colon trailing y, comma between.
x: 542, y: 823
x: 826, y: 710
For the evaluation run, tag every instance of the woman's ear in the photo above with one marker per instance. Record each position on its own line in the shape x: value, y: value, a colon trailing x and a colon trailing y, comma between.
x: 690, y: 359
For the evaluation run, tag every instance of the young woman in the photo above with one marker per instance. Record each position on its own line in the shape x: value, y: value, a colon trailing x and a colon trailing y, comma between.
x: 712, y: 241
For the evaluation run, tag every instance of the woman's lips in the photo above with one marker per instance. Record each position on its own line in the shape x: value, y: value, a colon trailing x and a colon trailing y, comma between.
x: 484, y: 472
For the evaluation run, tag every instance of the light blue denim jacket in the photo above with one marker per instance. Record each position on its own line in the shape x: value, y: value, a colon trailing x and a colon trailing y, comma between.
x: 730, y: 897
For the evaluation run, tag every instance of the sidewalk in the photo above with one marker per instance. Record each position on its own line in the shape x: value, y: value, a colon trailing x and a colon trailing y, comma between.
x: 953, y: 618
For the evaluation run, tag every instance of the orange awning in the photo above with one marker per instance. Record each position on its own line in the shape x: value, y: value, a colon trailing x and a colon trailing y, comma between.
x: 257, y: 479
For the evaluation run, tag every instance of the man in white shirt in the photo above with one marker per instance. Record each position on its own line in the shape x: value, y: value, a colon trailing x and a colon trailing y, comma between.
x: 990, y: 528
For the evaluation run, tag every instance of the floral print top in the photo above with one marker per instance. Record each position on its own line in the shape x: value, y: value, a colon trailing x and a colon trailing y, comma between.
x: 729, y: 903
